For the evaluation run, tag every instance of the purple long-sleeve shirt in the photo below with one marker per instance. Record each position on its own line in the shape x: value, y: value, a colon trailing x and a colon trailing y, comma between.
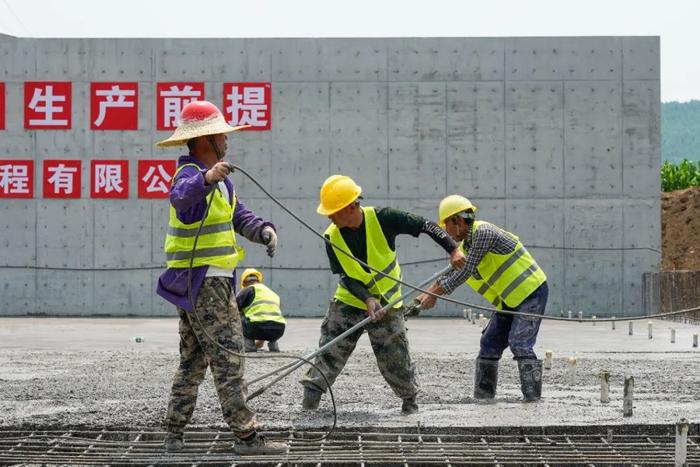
x: 188, y: 197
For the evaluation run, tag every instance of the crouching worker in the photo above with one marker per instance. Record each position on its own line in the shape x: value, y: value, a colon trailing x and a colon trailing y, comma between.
x: 262, y: 315
x: 500, y: 269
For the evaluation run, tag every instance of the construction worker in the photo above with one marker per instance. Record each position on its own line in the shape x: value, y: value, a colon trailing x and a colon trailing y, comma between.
x: 200, y: 176
x: 370, y: 234
x: 501, y: 269
x: 262, y: 315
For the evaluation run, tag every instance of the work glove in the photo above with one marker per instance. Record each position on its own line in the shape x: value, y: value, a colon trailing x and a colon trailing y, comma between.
x: 374, y: 309
x: 269, y: 238
x: 413, y: 309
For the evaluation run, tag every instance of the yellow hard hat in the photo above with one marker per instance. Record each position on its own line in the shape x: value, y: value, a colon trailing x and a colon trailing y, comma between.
x: 451, y: 205
x: 337, y: 192
x: 250, y: 272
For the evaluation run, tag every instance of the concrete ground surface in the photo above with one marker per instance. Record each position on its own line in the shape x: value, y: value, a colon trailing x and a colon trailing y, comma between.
x: 77, y: 372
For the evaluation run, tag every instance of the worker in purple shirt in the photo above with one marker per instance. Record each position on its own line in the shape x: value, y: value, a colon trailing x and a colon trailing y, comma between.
x: 200, y: 179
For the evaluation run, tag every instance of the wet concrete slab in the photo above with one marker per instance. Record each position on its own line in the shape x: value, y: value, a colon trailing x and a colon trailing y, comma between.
x: 91, y: 372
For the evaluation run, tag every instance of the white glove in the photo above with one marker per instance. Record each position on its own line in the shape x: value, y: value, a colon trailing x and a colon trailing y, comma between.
x: 269, y: 238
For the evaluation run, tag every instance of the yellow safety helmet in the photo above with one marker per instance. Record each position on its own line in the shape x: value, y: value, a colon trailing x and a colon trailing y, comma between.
x: 250, y: 272
x: 451, y: 205
x: 337, y: 192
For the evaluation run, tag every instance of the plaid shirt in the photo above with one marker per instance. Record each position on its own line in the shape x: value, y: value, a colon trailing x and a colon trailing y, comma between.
x: 486, y: 238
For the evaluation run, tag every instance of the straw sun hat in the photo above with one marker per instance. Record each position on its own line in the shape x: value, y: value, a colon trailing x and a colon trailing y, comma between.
x: 198, y: 118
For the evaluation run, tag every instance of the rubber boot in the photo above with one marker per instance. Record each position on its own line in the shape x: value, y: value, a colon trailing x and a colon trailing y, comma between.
x: 485, y: 378
x: 409, y: 406
x: 312, y: 398
x: 250, y: 345
x: 530, y: 379
x: 258, y: 445
x: 273, y: 346
x: 173, y: 441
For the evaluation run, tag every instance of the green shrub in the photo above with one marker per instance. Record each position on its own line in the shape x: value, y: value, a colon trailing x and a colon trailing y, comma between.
x: 680, y: 176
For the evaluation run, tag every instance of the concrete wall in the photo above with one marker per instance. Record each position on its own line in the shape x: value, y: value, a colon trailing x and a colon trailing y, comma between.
x: 555, y: 139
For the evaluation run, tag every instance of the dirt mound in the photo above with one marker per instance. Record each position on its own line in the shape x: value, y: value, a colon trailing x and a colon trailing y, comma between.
x: 680, y: 230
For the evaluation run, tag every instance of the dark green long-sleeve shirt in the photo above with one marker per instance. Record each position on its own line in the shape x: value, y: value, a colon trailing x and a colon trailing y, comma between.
x: 393, y: 222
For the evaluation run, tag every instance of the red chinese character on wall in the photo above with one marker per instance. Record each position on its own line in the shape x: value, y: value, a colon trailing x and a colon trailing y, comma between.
x: 110, y: 179
x: 114, y: 106
x: 47, y: 105
x: 248, y: 104
x: 16, y: 178
x: 171, y: 98
x: 2, y: 106
x: 62, y: 178
x: 155, y: 178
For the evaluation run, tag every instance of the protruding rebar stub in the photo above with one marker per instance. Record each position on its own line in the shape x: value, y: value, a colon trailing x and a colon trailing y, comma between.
x: 650, y: 329
x: 613, y: 323
x: 681, y: 453
x: 604, y: 386
x: 631, y: 328
x: 673, y: 336
x: 573, y: 362
x: 628, y: 398
x: 547, y: 359
x: 580, y: 316
x: 695, y: 340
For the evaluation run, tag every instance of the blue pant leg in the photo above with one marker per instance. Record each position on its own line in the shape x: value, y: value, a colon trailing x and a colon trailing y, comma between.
x: 494, y: 338
x: 523, y: 332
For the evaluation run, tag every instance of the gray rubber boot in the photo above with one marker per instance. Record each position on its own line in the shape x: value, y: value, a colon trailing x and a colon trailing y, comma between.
x: 409, y: 406
x: 173, y: 441
x: 257, y: 445
x: 250, y: 345
x: 312, y: 398
x: 530, y: 379
x: 273, y: 346
x: 485, y: 378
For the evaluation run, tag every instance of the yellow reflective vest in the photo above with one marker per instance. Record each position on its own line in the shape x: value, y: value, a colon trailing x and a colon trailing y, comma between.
x: 216, y: 245
x: 264, y: 307
x: 379, y: 255
x: 509, y: 278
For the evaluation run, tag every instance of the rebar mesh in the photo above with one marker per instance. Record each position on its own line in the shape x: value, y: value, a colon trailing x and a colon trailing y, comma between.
x: 144, y: 448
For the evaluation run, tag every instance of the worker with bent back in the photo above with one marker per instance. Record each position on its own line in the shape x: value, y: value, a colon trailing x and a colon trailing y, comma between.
x: 262, y: 315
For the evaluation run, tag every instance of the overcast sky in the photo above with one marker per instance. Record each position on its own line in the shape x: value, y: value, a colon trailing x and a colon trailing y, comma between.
x: 677, y: 22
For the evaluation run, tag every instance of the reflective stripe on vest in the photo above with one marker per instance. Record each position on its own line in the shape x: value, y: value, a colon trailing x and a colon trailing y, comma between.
x: 379, y: 255
x: 264, y: 307
x: 216, y: 245
x: 508, y: 278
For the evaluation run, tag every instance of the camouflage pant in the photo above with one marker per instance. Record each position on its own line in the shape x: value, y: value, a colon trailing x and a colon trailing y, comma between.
x: 389, y: 343
x: 217, y: 311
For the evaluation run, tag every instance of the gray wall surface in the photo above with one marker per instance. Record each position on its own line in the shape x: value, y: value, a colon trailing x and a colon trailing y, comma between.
x: 555, y: 139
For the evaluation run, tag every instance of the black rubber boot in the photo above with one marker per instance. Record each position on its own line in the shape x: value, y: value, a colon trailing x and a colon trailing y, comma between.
x: 312, y: 398
x: 409, y: 406
x: 485, y: 378
x: 173, y: 441
x: 273, y: 346
x: 530, y: 379
x: 249, y: 345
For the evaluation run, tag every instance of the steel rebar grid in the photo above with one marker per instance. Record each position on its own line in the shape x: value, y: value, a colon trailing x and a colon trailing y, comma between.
x: 118, y: 448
